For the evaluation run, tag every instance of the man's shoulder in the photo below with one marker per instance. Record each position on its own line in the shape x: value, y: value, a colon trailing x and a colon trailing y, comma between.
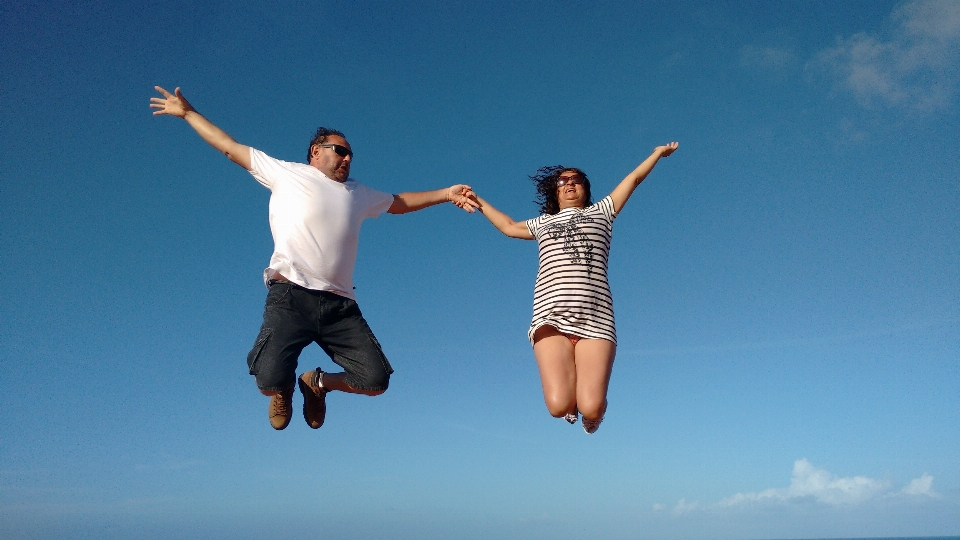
x: 355, y: 185
x: 261, y: 158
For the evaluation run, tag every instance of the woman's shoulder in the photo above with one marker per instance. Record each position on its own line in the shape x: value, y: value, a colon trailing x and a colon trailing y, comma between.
x: 604, y: 206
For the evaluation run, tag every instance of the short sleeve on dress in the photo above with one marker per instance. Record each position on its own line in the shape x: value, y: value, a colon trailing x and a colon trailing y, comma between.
x: 606, y: 208
x: 533, y: 225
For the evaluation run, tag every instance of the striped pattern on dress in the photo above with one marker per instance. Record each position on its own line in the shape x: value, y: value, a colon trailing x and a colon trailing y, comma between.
x: 572, y: 293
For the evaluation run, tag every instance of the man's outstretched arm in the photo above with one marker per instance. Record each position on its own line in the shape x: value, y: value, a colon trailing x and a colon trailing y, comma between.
x: 177, y: 105
x: 413, y: 201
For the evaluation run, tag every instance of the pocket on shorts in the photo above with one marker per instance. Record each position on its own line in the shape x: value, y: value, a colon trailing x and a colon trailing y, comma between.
x: 254, y: 355
x: 383, y: 358
x: 278, y: 293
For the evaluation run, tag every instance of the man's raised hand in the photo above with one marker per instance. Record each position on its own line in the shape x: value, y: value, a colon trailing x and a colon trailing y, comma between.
x: 177, y: 105
x: 173, y: 104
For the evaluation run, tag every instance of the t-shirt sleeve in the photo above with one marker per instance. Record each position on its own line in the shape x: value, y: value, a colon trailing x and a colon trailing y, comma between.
x: 265, y: 169
x: 606, y: 208
x: 533, y: 225
x: 376, y: 202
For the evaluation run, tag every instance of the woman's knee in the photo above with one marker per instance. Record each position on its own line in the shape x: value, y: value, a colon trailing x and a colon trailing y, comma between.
x: 559, y: 406
x: 592, y: 408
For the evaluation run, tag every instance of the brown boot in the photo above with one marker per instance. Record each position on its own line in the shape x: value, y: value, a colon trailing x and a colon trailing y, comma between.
x: 281, y: 409
x: 314, y: 398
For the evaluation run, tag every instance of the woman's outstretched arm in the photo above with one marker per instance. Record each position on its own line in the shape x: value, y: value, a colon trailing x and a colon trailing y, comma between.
x: 623, y: 192
x: 503, y: 222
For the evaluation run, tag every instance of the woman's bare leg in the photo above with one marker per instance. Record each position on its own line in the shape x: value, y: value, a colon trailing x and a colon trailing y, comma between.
x: 558, y: 373
x: 594, y: 363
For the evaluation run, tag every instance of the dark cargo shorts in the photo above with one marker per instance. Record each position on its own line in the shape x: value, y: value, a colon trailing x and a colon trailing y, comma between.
x: 294, y: 317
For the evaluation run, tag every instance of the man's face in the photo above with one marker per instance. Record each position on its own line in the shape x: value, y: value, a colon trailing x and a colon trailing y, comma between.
x: 326, y: 158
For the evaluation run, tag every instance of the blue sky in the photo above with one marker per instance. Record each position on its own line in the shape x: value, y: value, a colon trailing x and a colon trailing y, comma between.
x: 786, y: 284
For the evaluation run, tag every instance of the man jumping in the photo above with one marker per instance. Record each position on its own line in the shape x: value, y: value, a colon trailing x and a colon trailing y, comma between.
x: 315, y: 215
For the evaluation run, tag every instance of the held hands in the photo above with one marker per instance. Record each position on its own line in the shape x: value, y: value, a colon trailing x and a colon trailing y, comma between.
x: 174, y: 105
x: 667, y: 149
x: 463, y: 196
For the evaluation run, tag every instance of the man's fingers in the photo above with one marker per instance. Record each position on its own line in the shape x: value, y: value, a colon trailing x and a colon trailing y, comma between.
x: 465, y: 203
x: 164, y: 92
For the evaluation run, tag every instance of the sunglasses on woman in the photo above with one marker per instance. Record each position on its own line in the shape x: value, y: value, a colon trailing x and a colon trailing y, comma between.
x: 572, y: 180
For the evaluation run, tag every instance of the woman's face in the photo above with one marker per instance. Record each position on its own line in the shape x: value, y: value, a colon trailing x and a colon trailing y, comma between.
x: 570, y: 190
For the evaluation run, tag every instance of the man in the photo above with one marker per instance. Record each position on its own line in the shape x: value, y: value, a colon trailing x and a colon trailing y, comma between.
x: 315, y: 215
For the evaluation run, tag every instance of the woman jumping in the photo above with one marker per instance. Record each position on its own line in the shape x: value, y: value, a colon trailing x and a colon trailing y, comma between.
x: 573, y: 334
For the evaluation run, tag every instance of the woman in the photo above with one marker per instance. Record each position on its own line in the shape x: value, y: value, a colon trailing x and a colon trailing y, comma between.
x: 573, y: 334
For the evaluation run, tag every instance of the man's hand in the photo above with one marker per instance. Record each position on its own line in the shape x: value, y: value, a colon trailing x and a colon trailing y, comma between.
x: 177, y: 105
x: 463, y: 196
x: 174, y: 105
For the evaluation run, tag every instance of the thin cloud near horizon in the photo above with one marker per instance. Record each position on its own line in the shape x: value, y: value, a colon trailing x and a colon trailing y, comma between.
x: 809, y: 483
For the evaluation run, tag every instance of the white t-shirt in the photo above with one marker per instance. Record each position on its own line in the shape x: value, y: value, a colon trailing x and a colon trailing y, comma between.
x: 315, y: 222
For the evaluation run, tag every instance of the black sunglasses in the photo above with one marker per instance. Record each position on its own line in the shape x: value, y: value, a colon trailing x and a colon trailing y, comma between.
x: 572, y: 180
x: 341, y: 151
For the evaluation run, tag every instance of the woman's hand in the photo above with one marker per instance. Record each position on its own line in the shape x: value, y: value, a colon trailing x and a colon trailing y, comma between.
x: 667, y: 149
x: 463, y: 196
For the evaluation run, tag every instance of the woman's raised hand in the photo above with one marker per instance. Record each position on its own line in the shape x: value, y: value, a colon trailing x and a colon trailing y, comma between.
x: 667, y: 149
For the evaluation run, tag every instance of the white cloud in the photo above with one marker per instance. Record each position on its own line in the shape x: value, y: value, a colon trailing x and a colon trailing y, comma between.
x: 810, y: 484
x: 916, y: 67
x: 920, y: 486
x: 684, y: 507
x: 681, y: 508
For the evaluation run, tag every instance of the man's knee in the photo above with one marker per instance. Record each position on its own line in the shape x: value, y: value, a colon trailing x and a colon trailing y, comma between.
x: 371, y: 384
x: 274, y: 389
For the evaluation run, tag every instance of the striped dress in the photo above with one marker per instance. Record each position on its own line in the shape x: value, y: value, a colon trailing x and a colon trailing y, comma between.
x: 572, y: 293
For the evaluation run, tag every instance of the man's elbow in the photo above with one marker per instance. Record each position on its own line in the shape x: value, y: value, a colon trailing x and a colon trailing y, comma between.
x: 398, y: 206
x: 240, y: 158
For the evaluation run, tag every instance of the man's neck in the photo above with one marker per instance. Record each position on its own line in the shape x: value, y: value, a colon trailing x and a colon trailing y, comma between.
x: 334, y: 178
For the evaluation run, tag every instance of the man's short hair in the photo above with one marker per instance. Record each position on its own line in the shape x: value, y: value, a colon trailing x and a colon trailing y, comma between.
x: 320, y: 137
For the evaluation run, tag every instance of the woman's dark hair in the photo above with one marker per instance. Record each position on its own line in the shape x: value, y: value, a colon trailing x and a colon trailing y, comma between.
x: 546, y: 181
x: 320, y: 137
